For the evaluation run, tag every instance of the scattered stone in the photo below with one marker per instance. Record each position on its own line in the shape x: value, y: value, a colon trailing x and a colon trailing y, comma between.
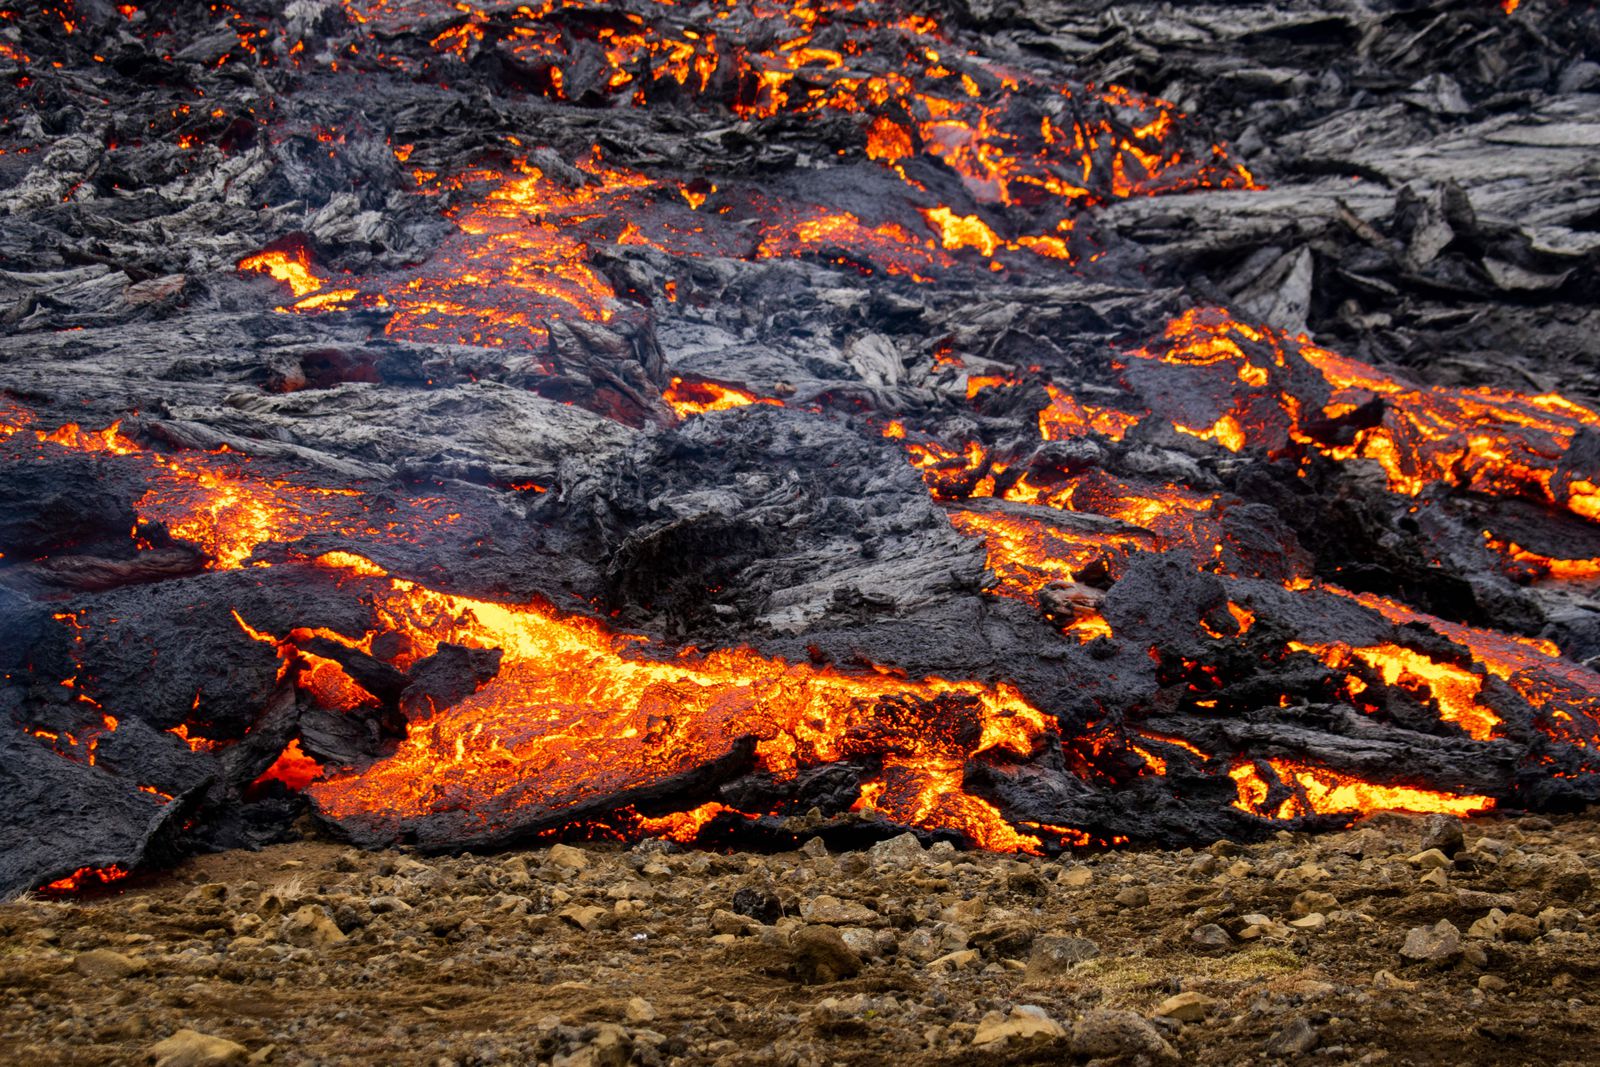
x: 587, y: 917
x: 1491, y: 983
x: 310, y: 926
x: 1121, y: 1034
x: 1312, y: 900
x: 1315, y: 921
x: 189, y: 1048
x: 1519, y: 927
x: 1387, y: 980
x: 1430, y: 859
x: 1294, y: 1039
x: 763, y: 907
x: 1188, y: 1007
x: 832, y: 911
x: 1135, y: 896
x: 106, y: 965
x: 1437, y: 944
x: 1075, y: 878
x: 1027, y: 1023
x: 898, y: 851
x: 1054, y: 954
x: 1444, y: 833
x: 639, y: 1010
x: 1211, y: 936
x: 573, y: 859
x: 820, y: 955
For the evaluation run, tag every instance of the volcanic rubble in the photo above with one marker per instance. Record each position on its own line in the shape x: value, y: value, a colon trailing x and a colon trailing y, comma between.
x: 1409, y: 940
x: 1034, y: 426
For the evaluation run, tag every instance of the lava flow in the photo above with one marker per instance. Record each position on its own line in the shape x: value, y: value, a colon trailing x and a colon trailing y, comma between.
x: 522, y: 255
x: 577, y: 715
x: 477, y: 423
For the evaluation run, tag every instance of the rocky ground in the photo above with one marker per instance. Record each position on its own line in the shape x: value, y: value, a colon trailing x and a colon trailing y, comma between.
x: 1397, y: 942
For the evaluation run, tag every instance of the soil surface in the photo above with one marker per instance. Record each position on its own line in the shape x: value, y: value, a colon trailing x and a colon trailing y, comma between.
x: 1395, y: 942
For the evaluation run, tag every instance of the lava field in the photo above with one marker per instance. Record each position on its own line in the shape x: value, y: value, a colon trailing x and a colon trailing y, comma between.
x: 1039, y: 426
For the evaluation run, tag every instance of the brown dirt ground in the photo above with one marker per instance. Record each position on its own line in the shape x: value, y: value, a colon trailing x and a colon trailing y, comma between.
x: 315, y: 954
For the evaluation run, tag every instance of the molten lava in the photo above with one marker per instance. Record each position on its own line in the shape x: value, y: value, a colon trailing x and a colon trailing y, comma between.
x: 698, y: 397
x: 1316, y: 790
x: 578, y: 712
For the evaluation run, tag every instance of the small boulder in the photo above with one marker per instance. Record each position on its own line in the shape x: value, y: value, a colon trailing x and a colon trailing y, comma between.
x: 1054, y: 954
x: 106, y: 965
x: 1026, y: 1024
x: 573, y: 859
x: 310, y: 926
x: 1188, y: 1007
x: 1436, y: 944
x: 820, y: 955
x: 1443, y: 832
x: 189, y: 1048
x: 1119, y: 1034
x: 1211, y: 936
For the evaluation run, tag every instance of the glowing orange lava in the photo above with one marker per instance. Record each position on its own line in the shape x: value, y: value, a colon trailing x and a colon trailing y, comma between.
x: 576, y: 710
x: 293, y: 768
x: 1320, y: 791
x: 698, y: 397
x: 290, y: 266
x: 86, y: 878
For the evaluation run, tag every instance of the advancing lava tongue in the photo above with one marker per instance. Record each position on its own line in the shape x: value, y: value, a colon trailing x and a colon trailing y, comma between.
x: 576, y: 718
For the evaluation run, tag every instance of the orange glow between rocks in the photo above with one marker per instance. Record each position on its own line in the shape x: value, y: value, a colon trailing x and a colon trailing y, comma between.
x: 290, y: 266
x: 577, y: 708
x: 87, y: 878
x: 698, y: 397
x: 1452, y: 689
x: 293, y: 768
x: 1320, y: 791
